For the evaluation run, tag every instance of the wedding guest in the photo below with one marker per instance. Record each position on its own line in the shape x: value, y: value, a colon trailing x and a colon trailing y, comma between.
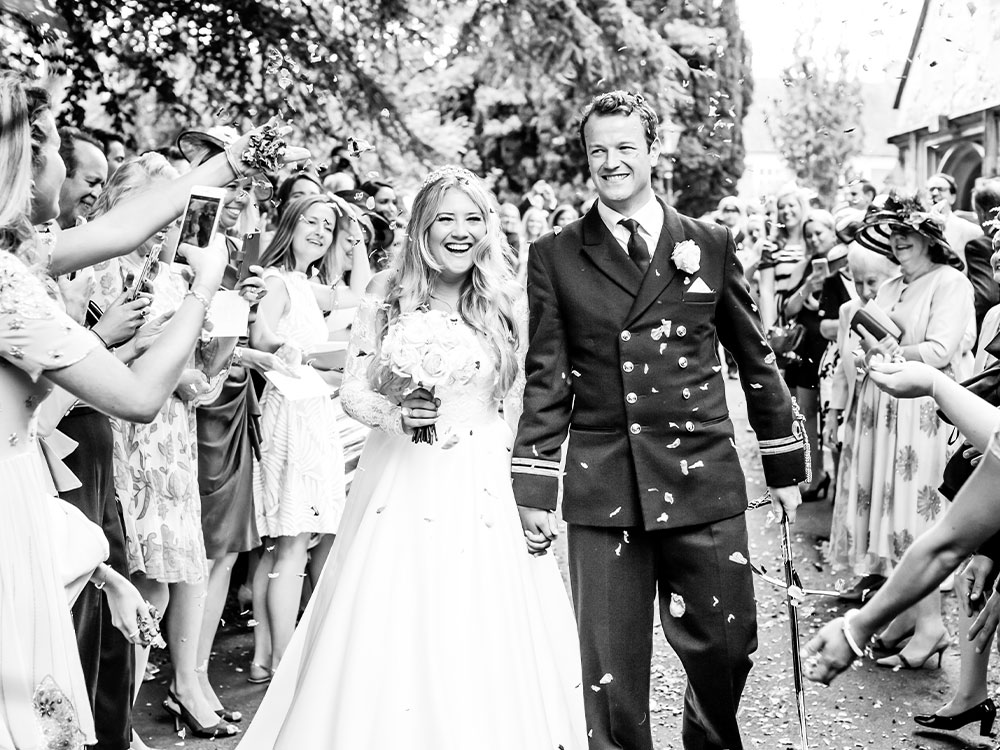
x: 534, y: 223
x: 299, y: 481
x: 970, y: 699
x: 42, y: 541
x: 979, y: 251
x: 868, y: 271
x: 383, y: 199
x: 563, y: 215
x: 295, y: 186
x: 86, y: 173
x: 860, y: 195
x: 387, y: 654
x: 510, y: 225
x: 732, y: 215
x: 970, y: 521
x: 943, y: 192
x: 802, y: 306
x: 783, y: 264
x: 114, y: 147
x: 156, y: 478
x: 897, y: 456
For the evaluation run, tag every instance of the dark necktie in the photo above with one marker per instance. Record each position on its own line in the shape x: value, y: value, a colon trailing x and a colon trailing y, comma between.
x: 637, y: 249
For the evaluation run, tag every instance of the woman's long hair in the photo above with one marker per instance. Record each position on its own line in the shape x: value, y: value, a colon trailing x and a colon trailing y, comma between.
x: 278, y: 253
x: 15, y: 166
x: 486, y: 302
x: 799, y: 195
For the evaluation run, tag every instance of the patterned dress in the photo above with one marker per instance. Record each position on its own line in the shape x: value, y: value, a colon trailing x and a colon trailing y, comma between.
x: 44, y: 542
x: 156, y: 474
x: 299, y: 481
x: 895, y: 450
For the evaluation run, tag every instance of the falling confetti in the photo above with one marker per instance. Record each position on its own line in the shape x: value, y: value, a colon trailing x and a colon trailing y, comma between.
x: 677, y: 605
x: 737, y: 557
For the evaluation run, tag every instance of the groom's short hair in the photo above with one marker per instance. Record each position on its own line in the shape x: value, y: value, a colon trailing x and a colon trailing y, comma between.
x: 621, y: 103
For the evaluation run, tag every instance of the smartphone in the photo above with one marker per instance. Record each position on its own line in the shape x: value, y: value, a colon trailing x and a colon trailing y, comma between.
x: 140, y: 280
x: 251, y: 253
x: 241, y: 259
x: 201, y: 219
x: 821, y: 266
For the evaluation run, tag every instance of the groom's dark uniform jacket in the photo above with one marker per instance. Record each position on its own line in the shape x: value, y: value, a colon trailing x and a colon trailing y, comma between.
x: 627, y: 364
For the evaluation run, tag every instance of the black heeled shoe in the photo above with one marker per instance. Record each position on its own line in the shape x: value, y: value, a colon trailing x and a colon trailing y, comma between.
x: 985, y: 713
x: 182, y: 716
x: 819, y: 492
x: 226, y: 715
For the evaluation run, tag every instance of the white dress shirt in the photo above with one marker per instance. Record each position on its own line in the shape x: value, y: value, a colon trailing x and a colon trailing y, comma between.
x: 650, y: 218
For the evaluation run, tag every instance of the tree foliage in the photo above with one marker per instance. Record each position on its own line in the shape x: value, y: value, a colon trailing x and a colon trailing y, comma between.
x: 496, y: 84
x: 816, y: 125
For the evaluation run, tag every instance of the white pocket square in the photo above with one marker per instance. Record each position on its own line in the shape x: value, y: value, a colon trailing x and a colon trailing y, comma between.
x: 698, y: 286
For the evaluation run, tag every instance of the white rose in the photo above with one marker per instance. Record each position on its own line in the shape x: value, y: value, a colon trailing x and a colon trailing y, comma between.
x: 687, y: 256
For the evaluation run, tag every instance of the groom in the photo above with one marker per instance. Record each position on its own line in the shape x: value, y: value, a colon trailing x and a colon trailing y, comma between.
x: 627, y: 306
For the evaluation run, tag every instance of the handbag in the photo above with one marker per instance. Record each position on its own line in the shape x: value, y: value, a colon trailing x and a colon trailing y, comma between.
x: 986, y: 385
x: 785, y: 339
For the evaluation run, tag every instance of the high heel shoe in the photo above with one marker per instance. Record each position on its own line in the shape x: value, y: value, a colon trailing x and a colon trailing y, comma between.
x: 898, y: 661
x: 259, y: 674
x: 882, y: 645
x: 182, y: 716
x: 812, y: 494
x: 985, y: 713
x: 226, y: 715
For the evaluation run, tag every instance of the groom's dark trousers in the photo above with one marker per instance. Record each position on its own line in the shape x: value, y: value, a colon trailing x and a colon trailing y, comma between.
x: 704, y: 599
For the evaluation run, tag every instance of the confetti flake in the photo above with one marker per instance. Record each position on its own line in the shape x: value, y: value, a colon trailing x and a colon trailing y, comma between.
x: 584, y: 465
x: 618, y: 550
x: 595, y: 688
x: 756, y: 386
x: 607, y: 679
x: 737, y: 557
x: 675, y: 443
x: 677, y: 605
x: 668, y: 498
x: 615, y: 512
x: 662, y: 518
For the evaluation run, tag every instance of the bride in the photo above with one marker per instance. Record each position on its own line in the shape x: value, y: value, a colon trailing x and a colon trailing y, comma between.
x: 432, y: 626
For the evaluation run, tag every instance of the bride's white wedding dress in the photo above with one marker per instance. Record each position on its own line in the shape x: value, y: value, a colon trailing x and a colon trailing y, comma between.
x: 431, y: 627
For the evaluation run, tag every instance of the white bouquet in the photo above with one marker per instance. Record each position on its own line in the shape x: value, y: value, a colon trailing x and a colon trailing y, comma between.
x: 427, y: 349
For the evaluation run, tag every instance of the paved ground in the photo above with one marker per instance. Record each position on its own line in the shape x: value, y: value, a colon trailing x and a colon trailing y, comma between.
x: 868, y: 707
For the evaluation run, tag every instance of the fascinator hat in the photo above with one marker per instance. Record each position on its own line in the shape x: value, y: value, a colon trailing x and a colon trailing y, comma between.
x: 909, y: 213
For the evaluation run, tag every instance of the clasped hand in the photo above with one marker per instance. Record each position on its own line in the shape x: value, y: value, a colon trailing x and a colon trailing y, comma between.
x: 419, y: 409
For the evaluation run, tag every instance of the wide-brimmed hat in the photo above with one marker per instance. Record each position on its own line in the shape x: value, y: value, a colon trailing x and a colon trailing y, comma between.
x: 908, y: 213
x: 191, y: 143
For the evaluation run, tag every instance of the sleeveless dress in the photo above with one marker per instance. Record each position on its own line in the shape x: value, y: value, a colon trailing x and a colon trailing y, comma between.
x: 432, y: 628
x: 45, y: 543
x: 156, y: 472
x: 299, y: 482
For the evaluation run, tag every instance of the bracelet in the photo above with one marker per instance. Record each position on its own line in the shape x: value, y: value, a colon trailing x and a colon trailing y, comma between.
x: 201, y: 298
x: 100, y: 338
x: 845, y: 628
x: 237, y: 359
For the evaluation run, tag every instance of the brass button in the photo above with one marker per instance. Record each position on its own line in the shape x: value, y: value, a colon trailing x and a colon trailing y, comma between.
x: 682, y: 362
x: 635, y: 429
x: 689, y: 426
x: 681, y: 330
x: 686, y: 393
x: 631, y: 398
x: 628, y: 367
x: 626, y: 335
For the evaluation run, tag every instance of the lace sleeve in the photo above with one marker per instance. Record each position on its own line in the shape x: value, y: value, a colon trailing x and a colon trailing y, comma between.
x: 356, y: 394
x: 513, y: 402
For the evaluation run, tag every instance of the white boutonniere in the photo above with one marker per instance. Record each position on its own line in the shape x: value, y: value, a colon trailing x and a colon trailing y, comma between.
x: 687, y: 256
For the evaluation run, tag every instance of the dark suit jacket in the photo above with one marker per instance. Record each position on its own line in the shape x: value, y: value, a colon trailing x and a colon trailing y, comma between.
x: 628, y: 365
x: 980, y: 273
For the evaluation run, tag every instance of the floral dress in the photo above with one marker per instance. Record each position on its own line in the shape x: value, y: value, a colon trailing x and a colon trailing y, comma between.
x: 156, y: 474
x: 895, y: 450
x: 44, y: 542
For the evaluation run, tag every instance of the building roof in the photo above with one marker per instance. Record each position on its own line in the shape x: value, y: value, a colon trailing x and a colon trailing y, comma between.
x: 952, y: 68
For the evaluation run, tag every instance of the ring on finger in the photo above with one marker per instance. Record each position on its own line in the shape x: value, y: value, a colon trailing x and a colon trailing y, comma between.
x: 406, y: 411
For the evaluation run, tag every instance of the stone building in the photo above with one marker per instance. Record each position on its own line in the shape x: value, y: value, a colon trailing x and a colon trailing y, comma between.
x: 948, y: 99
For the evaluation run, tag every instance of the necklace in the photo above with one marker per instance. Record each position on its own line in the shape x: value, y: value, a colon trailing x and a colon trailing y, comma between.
x: 450, y: 305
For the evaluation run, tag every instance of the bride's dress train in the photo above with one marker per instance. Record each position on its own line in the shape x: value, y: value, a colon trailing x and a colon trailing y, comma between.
x: 431, y: 627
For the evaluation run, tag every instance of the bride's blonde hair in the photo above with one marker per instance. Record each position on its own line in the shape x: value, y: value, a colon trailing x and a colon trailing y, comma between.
x: 486, y: 301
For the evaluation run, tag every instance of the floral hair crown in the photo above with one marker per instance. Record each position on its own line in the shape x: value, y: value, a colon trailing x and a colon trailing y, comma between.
x: 448, y: 172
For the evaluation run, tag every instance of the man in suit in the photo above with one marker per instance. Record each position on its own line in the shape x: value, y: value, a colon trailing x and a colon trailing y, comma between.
x: 626, y: 307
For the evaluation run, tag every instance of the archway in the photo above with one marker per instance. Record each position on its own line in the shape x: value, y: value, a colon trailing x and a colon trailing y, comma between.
x: 964, y: 162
